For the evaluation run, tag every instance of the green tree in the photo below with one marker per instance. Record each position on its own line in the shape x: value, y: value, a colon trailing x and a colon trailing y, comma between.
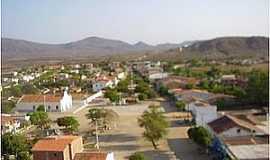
x: 189, y: 86
x: 137, y: 156
x: 112, y: 94
x: 7, y: 106
x: 200, y: 135
x: 213, y: 73
x: 95, y: 114
x: 102, y: 116
x: 29, y: 89
x: 141, y: 87
x: 41, y: 108
x: 163, y: 90
x: 41, y: 119
x: 69, y: 122
x: 24, y: 155
x: 142, y: 96
x: 257, y: 91
x: 154, y: 124
x: 180, y: 105
x: 15, y: 144
x: 14, y: 90
x: 204, y: 84
x: 122, y: 86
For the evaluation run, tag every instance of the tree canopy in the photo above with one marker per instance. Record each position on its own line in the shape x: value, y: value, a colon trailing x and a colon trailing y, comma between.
x: 137, y: 156
x: 102, y: 116
x: 155, y: 125
x: 15, y: 144
x: 180, y: 105
x: 257, y: 91
x: 69, y: 122
x: 41, y: 108
x: 41, y: 119
x: 200, y: 135
x: 112, y: 94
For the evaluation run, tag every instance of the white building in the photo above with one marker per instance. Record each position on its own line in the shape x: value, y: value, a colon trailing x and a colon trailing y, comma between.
x: 230, y: 126
x: 202, y: 112
x: 52, y: 103
x: 9, y: 124
x: 99, y: 85
x: 121, y: 75
x: 156, y: 76
x: 66, y: 102
x: 28, y: 78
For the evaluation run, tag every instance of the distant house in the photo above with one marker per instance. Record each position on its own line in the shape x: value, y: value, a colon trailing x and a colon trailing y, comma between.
x: 28, y: 78
x: 101, y: 82
x: 57, y: 148
x: 65, y: 148
x: 230, y: 126
x: 239, y: 139
x: 9, y: 124
x: 121, y: 75
x: 233, y: 80
x: 156, y: 76
x: 155, y: 73
x: 99, y: 85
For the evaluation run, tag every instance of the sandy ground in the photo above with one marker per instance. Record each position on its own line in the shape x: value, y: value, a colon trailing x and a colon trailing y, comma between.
x: 127, y: 138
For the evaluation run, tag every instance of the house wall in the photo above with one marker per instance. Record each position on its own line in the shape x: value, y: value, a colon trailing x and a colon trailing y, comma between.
x: 121, y: 75
x: 48, y: 155
x: 233, y: 132
x: 110, y: 156
x: 67, y: 154
x: 77, y: 146
x: 157, y: 76
x: 204, y: 115
x: 98, y: 86
x: 10, y: 127
x: 28, y: 107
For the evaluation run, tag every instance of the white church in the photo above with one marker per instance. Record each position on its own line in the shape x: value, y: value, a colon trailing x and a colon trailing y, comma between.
x: 66, y: 102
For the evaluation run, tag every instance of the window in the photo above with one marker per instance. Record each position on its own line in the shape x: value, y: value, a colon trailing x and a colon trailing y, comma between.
x: 57, y: 107
x: 55, y: 154
x: 34, y: 107
x: 49, y: 107
x: 238, y: 130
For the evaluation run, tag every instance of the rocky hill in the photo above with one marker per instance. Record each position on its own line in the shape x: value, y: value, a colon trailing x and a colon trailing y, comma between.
x: 13, y: 49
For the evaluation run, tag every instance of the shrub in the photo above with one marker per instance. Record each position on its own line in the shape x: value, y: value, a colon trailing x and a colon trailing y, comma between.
x: 142, y: 96
x: 137, y: 156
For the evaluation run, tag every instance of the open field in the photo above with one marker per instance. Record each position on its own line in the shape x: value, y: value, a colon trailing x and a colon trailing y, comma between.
x: 263, y: 67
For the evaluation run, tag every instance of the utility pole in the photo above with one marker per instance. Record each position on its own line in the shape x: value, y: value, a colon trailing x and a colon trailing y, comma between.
x: 44, y: 104
x: 97, y: 142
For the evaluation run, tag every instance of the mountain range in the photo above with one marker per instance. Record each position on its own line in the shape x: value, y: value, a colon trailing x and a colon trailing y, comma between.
x: 96, y: 46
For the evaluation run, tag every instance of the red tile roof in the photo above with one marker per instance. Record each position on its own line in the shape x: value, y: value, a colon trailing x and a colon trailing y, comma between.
x: 40, y: 98
x: 7, y: 119
x: 55, y: 143
x: 227, y: 121
x: 90, y: 156
x: 246, y: 140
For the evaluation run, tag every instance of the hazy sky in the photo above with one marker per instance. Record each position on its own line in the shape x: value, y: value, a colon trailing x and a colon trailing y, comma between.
x: 151, y: 21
